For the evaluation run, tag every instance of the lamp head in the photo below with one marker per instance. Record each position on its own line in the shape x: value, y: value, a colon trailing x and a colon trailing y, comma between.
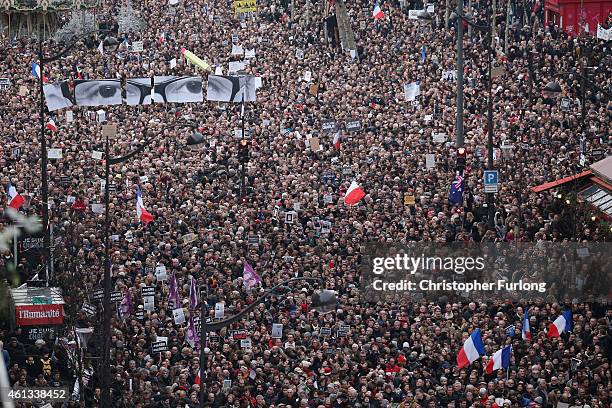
x: 195, y: 138
x: 553, y: 87
x: 424, y: 15
x: 110, y: 44
x: 324, y: 301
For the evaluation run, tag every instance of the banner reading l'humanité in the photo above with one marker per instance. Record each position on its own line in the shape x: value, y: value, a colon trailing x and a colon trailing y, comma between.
x: 35, y: 315
x: 244, y: 6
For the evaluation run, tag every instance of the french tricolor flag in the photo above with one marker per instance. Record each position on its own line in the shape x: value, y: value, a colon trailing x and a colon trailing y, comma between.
x: 526, y: 330
x: 378, y: 13
x: 501, y: 359
x: 51, y: 125
x: 36, y: 72
x: 15, y: 199
x: 337, y: 141
x: 141, y: 211
x: 561, y: 324
x: 471, y: 351
x: 353, y: 194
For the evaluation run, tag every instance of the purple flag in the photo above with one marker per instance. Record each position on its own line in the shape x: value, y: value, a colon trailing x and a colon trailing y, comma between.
x: 127, y: 306
x: 249, y: 276
x: 174, y: 295
x: 192, y: 334
x: 193, y: 295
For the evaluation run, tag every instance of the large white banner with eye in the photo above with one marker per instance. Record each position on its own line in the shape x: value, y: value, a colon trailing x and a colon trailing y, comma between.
x: 137, y: 91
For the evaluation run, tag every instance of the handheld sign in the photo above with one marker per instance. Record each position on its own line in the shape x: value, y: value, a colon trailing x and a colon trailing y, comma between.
x: 148, y: 291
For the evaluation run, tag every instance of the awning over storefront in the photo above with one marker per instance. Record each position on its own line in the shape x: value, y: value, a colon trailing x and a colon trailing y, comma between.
x: 560, y: 182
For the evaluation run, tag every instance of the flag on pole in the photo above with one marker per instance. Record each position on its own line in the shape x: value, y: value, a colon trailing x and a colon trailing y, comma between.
x: 455, y: 196
x: 141, y: 211
x: 15, y: 200
x: 101, y: 47
x: 36, y: 72
x: 353, y: 194
x: 423, y: 53
x: 471, y: 351
x: 51, y: 125
x: 501, y: 359
x: 249, y: 276
x: 510, y: 331
x: 337, y: 141
x: 162, y: 38
x: 77, y: 72
x: 193, y: 295
x: 192, y: 334
x: 127, y: 306
x: 173, y: 296
x: 526, y: 330
x: 197, y: 379
x: 561, y: 324
x: 378, y: 13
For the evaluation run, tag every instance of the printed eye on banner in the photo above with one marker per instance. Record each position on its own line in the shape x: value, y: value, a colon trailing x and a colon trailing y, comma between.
x: 103, y: 92
x: 231, y: 88
x: 58, y: 96
x: 178, y: 89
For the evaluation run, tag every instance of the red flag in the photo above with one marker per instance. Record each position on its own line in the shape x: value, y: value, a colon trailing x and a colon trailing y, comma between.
x: 15, y: 199
x: 354, y: 194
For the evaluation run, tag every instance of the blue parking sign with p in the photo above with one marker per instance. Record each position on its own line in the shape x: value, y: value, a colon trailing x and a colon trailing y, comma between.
x: 491, y: 177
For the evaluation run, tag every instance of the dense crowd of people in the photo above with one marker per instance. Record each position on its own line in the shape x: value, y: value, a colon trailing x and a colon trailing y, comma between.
x: 392, y: 354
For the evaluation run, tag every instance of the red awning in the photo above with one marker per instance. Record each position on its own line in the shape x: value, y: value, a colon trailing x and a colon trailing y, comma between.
x: 552, y: 184
x: 601, y: 183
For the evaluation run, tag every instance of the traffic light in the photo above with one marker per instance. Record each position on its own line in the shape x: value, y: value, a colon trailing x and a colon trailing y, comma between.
x: 461, y: 159
x: 243, y: 151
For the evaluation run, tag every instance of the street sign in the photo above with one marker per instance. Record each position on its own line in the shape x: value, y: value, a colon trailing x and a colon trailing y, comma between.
x: 491, y: 180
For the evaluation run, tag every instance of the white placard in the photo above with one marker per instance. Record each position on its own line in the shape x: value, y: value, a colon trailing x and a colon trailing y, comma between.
x: 290, y: 217
x: 412, y: 90
x: 54, y: 154
x: 307, y: 76
x: 179, y: 316
x: 173, y: 63
x: 144, y: 179
x: 173, y: 2
x: 245, y: 343
x: 101, y: 116
x: 97, y: 208
x: 449, y: 75
x: 149, y: 304
x: 277, y: 331
x: 249, y: 54
x: 438, y: 137
x: 69, y: 116
x: 218, y: 70
x: 160, y: 273
x: 237, y: 50
x: 219, y: 310
x: 137, y: 46
x: 235, y: 66
x: 430, y: 161
x: 96, y: 155
x: 430, y: 8
x: 70, y: 199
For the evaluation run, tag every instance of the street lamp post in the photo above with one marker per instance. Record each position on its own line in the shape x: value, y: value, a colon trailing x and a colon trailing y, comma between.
x: 108, y: 42
x: 459, y: 17
x: 459, y: 115
x: 323, y: 301
x: 110, y: 161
